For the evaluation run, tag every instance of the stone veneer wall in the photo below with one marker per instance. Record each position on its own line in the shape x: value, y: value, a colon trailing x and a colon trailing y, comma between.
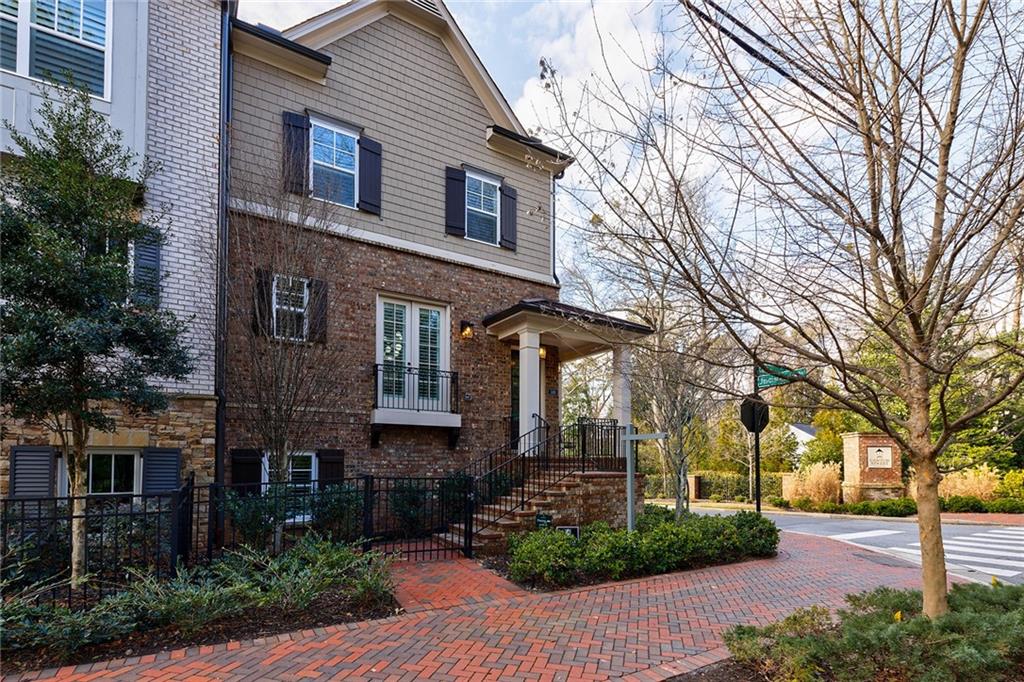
x: 189, y: 423
x: 360, y: 272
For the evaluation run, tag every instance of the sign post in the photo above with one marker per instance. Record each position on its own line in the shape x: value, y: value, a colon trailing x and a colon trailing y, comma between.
x: 627, y: 446
x: 754, y: 415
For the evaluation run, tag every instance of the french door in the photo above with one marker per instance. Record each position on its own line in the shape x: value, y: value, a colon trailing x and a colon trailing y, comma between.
x: 413, y: 346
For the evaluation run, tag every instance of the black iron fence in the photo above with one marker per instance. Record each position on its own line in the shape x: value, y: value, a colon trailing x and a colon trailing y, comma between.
x: 403, y: 387
x: 128, y: 535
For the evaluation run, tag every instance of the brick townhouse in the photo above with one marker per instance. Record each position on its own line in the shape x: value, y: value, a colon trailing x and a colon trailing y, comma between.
x: 154, y: 70
x: 438, y: 207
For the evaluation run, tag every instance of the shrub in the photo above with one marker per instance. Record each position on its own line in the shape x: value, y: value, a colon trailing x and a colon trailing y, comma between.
x: 980, y: 638
x: 197, y: 597
x: 730, y: 485
x: 1005, y: 505
x: 821, y: 482
x: 962, y: 504
x: 715, y: 498
x: 654, y: 515
x: 545, y: 556
x: 189, y: 601
x: 902, y: 506
x: 409, y: 502
x: 759, y: 537
x: 740, y: 498
x: 1012, y: 485
x: 661, y: 544
x: 780, y: 502
x: 255, y: 515
x: 980, y: 483
x: 830, y: 508
x: 803, y: 504
x: 336, y: 512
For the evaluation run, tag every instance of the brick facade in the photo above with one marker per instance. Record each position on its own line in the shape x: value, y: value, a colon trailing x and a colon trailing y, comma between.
x: 359, y: 273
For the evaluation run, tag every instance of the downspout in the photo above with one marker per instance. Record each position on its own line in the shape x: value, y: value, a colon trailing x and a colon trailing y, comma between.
x: 555, y: 177
x: 228, y: 9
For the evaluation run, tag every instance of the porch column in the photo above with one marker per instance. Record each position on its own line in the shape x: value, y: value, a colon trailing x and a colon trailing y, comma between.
x: 529, y: 379
x: 622, y: 393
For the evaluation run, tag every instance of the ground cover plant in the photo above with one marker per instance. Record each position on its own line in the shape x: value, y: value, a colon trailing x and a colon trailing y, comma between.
x: 882, y: 635
x: 549, y: 558
x: 247, y: 594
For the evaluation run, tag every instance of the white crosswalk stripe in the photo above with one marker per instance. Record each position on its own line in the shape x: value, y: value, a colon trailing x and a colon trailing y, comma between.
x: 993, y: 551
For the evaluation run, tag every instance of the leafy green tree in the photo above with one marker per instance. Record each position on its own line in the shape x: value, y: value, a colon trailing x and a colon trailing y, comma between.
x: 827, y: 445
x: 78, y: 333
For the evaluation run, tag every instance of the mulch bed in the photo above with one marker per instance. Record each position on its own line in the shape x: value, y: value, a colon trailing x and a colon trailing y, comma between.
x: 726, y: 671
x: 330, y: 608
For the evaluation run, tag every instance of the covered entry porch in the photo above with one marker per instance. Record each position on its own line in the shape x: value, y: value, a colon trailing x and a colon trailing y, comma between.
x: 534, y: 325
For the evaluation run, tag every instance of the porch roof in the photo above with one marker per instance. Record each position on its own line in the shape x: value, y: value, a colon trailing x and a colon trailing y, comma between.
x: 576, y: 332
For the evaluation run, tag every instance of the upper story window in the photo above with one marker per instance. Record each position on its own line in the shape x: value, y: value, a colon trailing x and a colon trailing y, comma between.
x: 483, y: 201
x: 334, y: 161
x: 46, y: 38
x: 291, y: 308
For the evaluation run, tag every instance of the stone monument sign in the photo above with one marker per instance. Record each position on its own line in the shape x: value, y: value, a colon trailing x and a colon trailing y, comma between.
x: 871, y: 467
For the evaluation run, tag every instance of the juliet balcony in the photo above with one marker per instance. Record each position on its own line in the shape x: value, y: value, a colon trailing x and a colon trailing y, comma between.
x: 415, y: 396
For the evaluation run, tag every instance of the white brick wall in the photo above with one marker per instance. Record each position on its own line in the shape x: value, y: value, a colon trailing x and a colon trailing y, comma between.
x: 182, y: 119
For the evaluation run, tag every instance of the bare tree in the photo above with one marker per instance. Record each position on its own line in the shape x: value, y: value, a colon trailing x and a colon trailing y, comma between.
x: 285, y: 371
x: 867, y: 161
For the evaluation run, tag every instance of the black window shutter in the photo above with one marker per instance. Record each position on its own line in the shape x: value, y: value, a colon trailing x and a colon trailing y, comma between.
x: 318, y: 311
x: 330, y: 466
x: 508, y: 217
x: 455, y: 201
x: 147, y: 270
x: 296, y: 153
x: 33, y: 471
x: 262, y: 308
x: 246, y: 470
x: 369, y: 175
x: 161, y: 469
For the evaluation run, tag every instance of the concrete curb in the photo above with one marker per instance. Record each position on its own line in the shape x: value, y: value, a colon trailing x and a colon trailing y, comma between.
x: 774, y: 510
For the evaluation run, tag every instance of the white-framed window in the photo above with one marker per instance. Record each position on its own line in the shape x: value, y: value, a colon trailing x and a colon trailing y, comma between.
x: 44, y: 38
x: 290, y: 302
x: 334, y: 162
x: 413, y: 348
x: 483, y: 208
x: 114, y: 472
x: 302, y: 472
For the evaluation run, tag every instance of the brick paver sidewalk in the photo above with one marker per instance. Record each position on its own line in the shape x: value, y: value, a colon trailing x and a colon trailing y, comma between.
x: 644, y: 629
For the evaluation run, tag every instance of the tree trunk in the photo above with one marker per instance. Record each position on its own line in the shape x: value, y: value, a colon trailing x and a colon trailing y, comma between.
x: 929, y: 524
x: 77, y: 466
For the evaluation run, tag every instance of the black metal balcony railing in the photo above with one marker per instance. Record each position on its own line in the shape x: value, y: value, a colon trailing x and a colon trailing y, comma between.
x: 401, y: 387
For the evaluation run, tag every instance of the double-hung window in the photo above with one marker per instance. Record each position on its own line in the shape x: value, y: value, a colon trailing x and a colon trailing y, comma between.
x: 296, y: 487
x: 291, y: 307
x: 413, y: 347
x: 334, y: 163
x: 47, y: 38
x: 483, y: 201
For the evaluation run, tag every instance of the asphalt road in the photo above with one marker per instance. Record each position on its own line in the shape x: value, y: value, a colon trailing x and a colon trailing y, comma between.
x: 972, y: 551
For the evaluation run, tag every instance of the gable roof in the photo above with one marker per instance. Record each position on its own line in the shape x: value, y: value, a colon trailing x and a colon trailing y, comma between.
x: 430, y: 15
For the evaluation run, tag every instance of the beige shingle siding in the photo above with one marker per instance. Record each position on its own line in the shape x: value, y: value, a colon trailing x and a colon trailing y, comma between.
x: 402, y: 86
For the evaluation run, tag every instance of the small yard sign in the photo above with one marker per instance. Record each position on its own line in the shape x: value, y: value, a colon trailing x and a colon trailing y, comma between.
x: 544, y: 520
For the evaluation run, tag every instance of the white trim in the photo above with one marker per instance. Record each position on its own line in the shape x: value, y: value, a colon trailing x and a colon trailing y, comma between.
x: 484, y: 177
x: 415, y: 418
x: 362, y: 235
x: 348, y: 131
x: 136, y: 472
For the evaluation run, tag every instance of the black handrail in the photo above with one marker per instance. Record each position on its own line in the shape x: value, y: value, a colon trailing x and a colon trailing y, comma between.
x: 420, y: 389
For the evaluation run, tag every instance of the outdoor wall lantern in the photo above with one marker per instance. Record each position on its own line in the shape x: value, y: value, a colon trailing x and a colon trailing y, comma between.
x: 543, y: 353
x: 466, y: 329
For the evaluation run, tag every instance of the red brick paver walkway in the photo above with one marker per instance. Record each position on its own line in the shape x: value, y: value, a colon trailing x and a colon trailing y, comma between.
x: 444, y: 584
x: 643, y: 629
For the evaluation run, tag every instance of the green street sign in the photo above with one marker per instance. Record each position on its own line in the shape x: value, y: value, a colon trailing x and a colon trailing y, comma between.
x: 777, y: 375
